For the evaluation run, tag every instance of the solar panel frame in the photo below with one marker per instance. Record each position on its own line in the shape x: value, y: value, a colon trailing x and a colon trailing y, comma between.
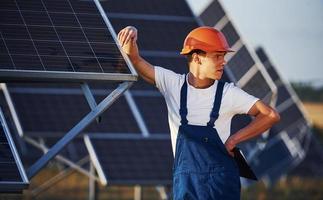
x: 32, y: 74
x: 129, y: 174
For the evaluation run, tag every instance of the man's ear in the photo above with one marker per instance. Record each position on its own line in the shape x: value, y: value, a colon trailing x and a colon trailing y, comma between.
x: 196, y: 58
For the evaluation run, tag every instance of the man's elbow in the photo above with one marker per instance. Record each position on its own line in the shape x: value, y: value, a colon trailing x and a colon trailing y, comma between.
x: 274, y: 116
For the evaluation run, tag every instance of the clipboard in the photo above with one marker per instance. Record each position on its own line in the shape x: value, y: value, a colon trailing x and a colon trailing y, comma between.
x: 244, y: 168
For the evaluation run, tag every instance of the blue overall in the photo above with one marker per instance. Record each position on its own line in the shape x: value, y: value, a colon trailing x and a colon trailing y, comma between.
x: 203, y: 169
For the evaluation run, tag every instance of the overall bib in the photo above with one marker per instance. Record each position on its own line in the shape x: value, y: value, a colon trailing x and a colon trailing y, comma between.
x: 203, y: 169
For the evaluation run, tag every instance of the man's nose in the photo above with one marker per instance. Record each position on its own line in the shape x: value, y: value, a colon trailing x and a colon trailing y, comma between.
x: 224, y: 62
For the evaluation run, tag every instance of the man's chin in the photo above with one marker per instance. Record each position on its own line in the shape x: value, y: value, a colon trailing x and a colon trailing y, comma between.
x: 216, y: 77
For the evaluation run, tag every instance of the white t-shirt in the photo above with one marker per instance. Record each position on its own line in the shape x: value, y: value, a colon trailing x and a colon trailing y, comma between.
x: 200, y: 103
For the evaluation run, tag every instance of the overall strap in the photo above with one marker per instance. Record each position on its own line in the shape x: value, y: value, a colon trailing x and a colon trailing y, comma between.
x: 217, y: 103
x: 183, y: 103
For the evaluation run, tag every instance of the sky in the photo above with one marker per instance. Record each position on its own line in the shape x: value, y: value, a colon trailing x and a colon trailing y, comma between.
x: 290, y: 31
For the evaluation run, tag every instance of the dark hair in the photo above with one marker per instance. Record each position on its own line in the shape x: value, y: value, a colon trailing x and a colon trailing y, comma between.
x: 189, y: 55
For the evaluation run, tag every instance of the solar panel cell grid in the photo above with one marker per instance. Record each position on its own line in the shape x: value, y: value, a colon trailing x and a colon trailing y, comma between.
x: 154, y: 7
x: 56, y: 114
x: 154, y: 112
x: 241, y: 62
x: 262, y: 55
x: 66, y: 35
x: 212, y: 14
x: 158, y: 37
x: 36, y: 18
x: 230, y: 34
x: 289, y: 117
x: 256, y: 87
x: 178, y: 64
x: 142, y: 85
x: 134, y: 160
x: 8, y: 166
x: 283, y: 95
x: 266, y: 162
x: 273, y: 73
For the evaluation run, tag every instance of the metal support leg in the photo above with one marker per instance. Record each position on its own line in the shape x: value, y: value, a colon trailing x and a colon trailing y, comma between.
x: 77, y: 129
x: 92, y: 192
x: 60, y: 158
x: 162, y: 192
x: 62, y: 174
x: 137, y: 192
x: 90, y: 98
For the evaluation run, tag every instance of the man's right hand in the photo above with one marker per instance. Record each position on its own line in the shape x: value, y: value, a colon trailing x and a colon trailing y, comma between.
x: 128, y: 40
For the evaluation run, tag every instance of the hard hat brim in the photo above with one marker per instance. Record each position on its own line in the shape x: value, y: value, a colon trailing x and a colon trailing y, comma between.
x: 186, y: 51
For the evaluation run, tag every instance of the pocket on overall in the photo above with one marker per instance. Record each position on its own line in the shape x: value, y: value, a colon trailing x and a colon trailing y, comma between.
x: 199, y: 150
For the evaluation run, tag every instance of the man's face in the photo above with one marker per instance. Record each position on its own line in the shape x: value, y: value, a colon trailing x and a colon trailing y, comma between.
x: 212, y: 65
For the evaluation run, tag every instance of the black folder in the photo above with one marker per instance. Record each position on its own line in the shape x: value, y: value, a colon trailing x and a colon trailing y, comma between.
x: 244, y: 169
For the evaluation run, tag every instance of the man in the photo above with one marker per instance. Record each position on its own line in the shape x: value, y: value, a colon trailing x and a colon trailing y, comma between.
x: 200, y: 109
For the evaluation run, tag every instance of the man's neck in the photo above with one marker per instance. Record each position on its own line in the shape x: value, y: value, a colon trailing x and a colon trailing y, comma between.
x: 199, y: 83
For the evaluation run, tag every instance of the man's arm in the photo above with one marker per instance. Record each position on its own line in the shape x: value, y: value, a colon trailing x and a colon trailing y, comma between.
x: 265, y: 117
x: 128, y: 41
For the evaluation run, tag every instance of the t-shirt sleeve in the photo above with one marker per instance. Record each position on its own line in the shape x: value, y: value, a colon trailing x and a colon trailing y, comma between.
x: 241, y: 101
x: 165, y: 79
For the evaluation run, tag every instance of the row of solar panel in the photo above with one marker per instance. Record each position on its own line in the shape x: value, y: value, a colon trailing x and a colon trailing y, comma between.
x: 162, y: 35
x: 73, y: 107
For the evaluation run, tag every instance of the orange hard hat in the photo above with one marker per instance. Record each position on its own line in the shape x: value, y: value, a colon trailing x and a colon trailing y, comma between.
x: 207, y: 39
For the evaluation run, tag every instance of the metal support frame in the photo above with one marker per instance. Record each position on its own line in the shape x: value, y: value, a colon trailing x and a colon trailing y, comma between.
x: 90, y: 98
x: 92, y: 184
x: 162, y: 192
x: 137, y: 192
x: 78, y: 128
x: 60, y: 158
x: 69, y: 170
x: 12, y: 109
x: 35, y: 143
x: 135, y: 111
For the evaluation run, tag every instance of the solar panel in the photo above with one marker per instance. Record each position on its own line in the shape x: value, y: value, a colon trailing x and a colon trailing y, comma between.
x: 212, y: 14
x: 265, y: 164
x: 52, y: 112
x: 12, y: 174
x: 131, y: 159
x: 231, y: 35
x: 254, y: 87
x: 67, y: 40
x: 240, y: 63
x: 160, y: 37
x: 154, y: 112
x: 291, y: 132
x: 148, y: 7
